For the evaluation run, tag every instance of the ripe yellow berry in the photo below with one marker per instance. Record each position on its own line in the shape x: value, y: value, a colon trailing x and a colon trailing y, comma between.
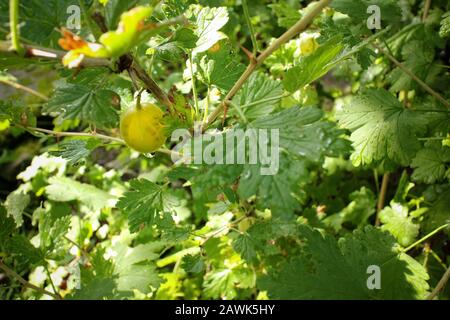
x: 143, y: 128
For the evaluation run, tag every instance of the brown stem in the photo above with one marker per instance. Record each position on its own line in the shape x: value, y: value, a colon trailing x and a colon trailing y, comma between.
x: 382, y: 197
x: 426, y: 87
x: 426, y: 9
x: 440, y: 285
x: 300, y: 26
x: 150, y: 84
x: 25, y: 283
x: 100, y: 21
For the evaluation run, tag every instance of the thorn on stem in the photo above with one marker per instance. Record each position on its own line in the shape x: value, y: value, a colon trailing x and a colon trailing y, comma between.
x: 249, y: 54
x: 225, y: 111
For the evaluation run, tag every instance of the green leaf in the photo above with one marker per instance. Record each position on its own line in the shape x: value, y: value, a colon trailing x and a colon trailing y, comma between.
x: 302, y: 139
x: 302, y: 134
x: 171, y: 49
x: 92, y: 77
x: 194, y: 264
x: 20, y: 247
x: 127, y: 269
x: 382, y: 129
x: 128, y: 33
x: 259, y: 96
x: 287, y: 14
x: 220, y: 68
x: 410, y: 33
x: 283, y: 58
x: 207, y: 22
x: 357, y: 9
x: 17, y: 112
x: 313, y: 66
x: 244, y: 245
x: 397, y: 221
x: 357, y: 212
x: 185, y: 38
x: 41, y: 29
x: 75, y: 151
x: 52, y: 230
x: 135, y: 268
x: 64, y: 189
x: 419, y: 58
x: 209, y: 182
x: 174, y: 8
x: 431, y: 163
x: 330, y: 269
x: 439, y: 212
x: 170, y: 232
x: 7, y: 226
x: 15, y: 204
x: 220, y: 283
x: 72, y: 101
x: 444, y: 31
x: 267, y: 238
x: 97, y: 281
x: 403, y: 187
x: 143, y: 204
x: 278, y: 192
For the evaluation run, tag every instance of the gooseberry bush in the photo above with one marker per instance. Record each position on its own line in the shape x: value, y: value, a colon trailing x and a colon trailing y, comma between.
x: 98, y: 200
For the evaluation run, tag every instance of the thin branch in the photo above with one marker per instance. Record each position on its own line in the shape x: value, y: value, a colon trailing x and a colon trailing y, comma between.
x: 250, y: 27
x: 221, y: 229
x: 377, y: 183
x: 382, y: 196
x: 49, y: 275
x: 170, y: 152
x: 133, y: 80
x: 14, y: 26
x: 207, y: 103
x: 24, y: 88
x: 438, y: 259
x: 92, y: 135
x: 440, y: 285
x: 432, y: 233
x: 270, y: 99
x: 194, y: 87
x: 32, y: 51
x: 73, y: 134
x: 181, y: 19
x: 426, y: 9
x: 25, y: 283
x: 240, y: 112
x: 300, y: 26
x: 362, y: 44
x: 413, y: 76
x: 83, y: 252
